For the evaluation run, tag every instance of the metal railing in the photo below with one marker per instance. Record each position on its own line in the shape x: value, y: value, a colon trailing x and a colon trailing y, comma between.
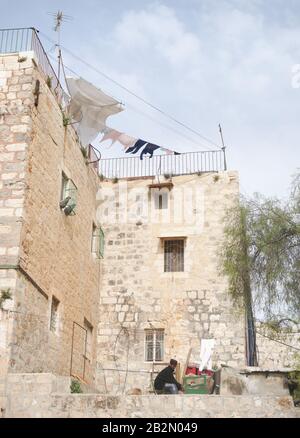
x: 27, y: 39
x: 183, y: 164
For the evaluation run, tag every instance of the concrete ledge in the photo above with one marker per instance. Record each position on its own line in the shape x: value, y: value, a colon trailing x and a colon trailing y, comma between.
x: 150, y: 406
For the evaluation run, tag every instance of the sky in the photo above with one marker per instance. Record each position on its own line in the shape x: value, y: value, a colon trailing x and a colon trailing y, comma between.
x: 204, y: 62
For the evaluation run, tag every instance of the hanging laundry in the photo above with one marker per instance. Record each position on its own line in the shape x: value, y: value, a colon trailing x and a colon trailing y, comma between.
x: 136, y: 147
x: 114, y: 135
x: 90, y: 108
x: 149, y: 149
x: 110, y: 134
x: 133, y: 145
x: 167, y: 151
x: 126, y: 140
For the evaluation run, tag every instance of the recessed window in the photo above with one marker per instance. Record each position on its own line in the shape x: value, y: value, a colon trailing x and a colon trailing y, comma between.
x: 174, y: 255
x: 54, y: 315
x: 161, y: 200
x: 154, y: 345
x: 68, y: 198
x: 97, y: 242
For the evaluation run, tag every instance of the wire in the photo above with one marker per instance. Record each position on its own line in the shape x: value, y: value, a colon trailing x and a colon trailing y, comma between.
x: 138, y: 111
x: 279, y: 342
x: 164, y: 113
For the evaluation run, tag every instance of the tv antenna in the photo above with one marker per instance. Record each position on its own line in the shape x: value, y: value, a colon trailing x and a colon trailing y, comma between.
x: 59, y: 18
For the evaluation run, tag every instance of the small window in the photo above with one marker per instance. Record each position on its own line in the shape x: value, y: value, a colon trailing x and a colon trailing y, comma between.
x: 97, y: 241
x: 54, y: 315
x: 154, y: 345
x: 161, y: 200
x: 68, y: 199
x: 174, y: 255
x: 89, y: 339
x: 64, y: 183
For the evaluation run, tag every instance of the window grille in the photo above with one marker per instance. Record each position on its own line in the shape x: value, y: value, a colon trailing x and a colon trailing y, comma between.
x: 154, y: 345
x: 174, y: 255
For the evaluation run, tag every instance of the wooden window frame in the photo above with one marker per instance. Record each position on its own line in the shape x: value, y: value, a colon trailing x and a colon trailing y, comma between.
x: 153, y: 357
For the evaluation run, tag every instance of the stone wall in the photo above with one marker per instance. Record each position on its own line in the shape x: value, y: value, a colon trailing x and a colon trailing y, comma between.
x: 16, y: 100
x: 44, y: 396
x: 278, y: 350
x: 136, y: 293
x: 43, y: 252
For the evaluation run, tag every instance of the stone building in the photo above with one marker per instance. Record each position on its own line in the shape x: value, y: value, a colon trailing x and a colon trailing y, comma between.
x: 49, y: 273
x: 112, y: 319
x: 160, y: 288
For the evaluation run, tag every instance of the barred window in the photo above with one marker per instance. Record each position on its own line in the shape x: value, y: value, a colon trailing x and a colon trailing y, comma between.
x: 174, y: 255
x: 154, y: 345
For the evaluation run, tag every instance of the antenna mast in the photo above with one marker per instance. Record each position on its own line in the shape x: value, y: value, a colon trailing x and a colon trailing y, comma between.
x: 223, y: 147
x: 59, y: 18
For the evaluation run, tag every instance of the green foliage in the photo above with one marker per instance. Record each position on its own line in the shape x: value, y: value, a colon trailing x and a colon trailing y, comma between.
x: 75, y: 387
x: 115, y: 180
x: 49, y: 82
x: 234, y: 260
x: 22, y: 59
x: 101, y: 177
x: 66, y: 119
x: 5, y: 295
x: 262, y: 244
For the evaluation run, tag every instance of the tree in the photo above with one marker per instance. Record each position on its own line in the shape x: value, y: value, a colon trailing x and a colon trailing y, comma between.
x: 261, y: 257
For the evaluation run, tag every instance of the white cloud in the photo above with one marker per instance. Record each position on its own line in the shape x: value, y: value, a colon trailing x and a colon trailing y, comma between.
x: 228, y: 62
x: 158, y: 29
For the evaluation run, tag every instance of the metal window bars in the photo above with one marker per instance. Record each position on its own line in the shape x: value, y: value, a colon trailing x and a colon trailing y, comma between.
x: 174, y: 255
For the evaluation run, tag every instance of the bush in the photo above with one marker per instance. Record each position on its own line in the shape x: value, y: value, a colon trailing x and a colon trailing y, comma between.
x: 75, y: 387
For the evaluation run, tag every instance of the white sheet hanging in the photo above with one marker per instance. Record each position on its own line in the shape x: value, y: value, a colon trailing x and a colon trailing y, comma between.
x: 206, y: 351
x: 90, y: 107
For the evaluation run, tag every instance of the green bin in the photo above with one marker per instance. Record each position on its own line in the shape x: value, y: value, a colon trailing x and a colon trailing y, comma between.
x: 195, y: 384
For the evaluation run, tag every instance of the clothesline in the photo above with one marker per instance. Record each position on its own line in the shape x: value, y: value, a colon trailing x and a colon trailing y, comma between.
x: 133, y: 145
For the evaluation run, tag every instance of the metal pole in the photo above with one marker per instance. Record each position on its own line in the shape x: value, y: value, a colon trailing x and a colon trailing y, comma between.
x: 223, y: 147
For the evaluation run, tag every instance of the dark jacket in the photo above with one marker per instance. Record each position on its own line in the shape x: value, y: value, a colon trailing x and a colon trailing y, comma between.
x: 166, y: 376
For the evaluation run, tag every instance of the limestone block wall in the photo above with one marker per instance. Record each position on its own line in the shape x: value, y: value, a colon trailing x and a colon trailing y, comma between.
x: 278, y: 350
x: 16, y: 100
x: 46, y: 396
x: 44, y: 253
x: 136, y: 293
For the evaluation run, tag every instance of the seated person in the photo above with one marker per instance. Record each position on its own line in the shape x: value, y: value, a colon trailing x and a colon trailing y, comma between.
x: 165, y: 382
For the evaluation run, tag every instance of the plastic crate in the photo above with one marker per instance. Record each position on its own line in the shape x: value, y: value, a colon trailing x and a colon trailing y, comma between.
x: 195, y: 384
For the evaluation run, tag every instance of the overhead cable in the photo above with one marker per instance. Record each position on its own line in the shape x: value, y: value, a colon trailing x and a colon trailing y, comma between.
x: 164, y: 113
